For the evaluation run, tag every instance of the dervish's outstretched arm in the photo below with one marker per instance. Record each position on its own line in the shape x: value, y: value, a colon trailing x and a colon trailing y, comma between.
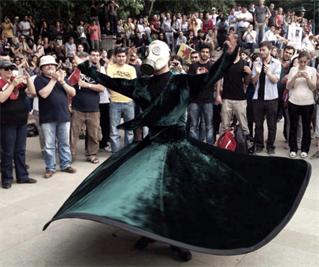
x: 200, y: 83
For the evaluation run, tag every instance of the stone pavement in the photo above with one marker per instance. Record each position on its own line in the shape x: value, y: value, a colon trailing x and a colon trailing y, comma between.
x: 24, y: 209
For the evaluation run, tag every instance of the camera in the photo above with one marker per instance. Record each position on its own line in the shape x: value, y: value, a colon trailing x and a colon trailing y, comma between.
x: 175, y: 64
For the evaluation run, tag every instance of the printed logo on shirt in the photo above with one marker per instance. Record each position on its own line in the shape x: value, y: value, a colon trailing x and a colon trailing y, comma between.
x: 202, y: 70
x: 122, y: 74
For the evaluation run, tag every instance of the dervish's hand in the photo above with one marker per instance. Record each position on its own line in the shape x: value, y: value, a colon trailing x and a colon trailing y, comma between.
x: 231, y: 43
x: 77, y: 59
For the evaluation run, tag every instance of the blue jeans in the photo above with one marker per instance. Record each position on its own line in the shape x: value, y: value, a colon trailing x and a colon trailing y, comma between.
x: 195, y: 111
x: 117, y: 110
x: 60, y: 131
x: 13, y: 145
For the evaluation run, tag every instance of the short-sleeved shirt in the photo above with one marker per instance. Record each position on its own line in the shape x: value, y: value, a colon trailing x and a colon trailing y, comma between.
x: 86, y: 99
x: 24, y: 25
x: 14, y: 111
x: 54, y: 108
x: 247, y: 15
x: 70, y: 48
x: 231, y: 18
x: 207, y: 96
x: 261, y: 13
x: 280, y: 19
x: 155, y: 25
x: 233, y: 88
x: 95, y: 33
x: 125, y: 72
x: 271, y: 89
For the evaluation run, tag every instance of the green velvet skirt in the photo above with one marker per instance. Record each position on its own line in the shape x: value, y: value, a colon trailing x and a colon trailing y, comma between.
x: 192, y: 195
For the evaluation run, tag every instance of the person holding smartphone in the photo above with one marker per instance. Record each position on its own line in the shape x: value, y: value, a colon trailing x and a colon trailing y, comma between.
x: 14, y: 118
x: 176, y: 65
x: 7, y: 29
x: 302, y: 80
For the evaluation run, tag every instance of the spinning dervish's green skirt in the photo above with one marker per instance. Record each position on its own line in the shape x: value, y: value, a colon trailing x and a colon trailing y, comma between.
x: 184, y: 192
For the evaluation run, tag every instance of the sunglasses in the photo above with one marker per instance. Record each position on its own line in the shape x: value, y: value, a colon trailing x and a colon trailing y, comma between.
x: 8, y: 68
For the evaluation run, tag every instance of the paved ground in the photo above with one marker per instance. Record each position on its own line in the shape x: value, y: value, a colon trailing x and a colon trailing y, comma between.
x: 24, y: 209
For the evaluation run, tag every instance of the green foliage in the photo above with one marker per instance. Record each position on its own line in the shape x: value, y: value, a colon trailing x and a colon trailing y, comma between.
x: 75, y: 9
x: 186, y: 6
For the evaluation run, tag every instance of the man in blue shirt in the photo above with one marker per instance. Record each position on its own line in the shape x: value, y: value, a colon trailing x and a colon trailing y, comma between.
x: 53, y: 91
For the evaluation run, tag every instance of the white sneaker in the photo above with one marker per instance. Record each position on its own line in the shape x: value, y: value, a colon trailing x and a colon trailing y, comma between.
x: 292, y: 154
x: 105, y: 149
x: 303, y: 155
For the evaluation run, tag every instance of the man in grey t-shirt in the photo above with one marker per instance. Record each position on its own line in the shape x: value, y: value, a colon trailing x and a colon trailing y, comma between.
x: 260, y: 19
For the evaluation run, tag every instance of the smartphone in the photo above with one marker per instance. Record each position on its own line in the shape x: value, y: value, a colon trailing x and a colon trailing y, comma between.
x: 246, y: 63
x: 20, y: 73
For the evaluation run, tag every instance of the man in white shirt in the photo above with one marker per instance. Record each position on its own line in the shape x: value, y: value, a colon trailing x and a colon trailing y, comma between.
x: 199, y: 23
x: 213, y: 16
x: 24, y: 26
x: 243, y: 19
x: 238, y: 10
x: 249, y: 39
x: 270, y: 36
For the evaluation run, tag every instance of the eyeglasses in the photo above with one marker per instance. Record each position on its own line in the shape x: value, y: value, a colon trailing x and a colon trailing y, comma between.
x: 8, y: 68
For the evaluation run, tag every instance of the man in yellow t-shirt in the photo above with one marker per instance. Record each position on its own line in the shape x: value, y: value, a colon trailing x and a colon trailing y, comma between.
x: 120, y: 105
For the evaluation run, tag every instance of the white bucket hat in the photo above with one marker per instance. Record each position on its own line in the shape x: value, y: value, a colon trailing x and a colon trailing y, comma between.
x: 46, y: 60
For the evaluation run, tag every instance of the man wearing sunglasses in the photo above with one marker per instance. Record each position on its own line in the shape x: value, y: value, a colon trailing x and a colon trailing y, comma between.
x: 14, y: 118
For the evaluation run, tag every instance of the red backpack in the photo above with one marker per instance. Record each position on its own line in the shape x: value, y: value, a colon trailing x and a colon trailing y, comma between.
x: 227, y: 141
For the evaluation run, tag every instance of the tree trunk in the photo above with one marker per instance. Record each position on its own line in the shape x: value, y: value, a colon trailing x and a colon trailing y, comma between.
x: 77, y: 15
x: 147, y: 7
x: 151, y: 8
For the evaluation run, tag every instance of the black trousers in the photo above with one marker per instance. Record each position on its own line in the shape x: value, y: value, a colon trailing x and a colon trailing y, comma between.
x: 217, y: 119
x: 250, y: 116
x: 268, y: 109
x: 113, y: 24
x: 105, y: 124
x: 221, y: 37
x: 102, y: 21
x: 306, y: 113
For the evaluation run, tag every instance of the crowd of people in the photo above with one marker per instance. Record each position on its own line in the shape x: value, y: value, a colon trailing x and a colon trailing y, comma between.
x: 269, y: 79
